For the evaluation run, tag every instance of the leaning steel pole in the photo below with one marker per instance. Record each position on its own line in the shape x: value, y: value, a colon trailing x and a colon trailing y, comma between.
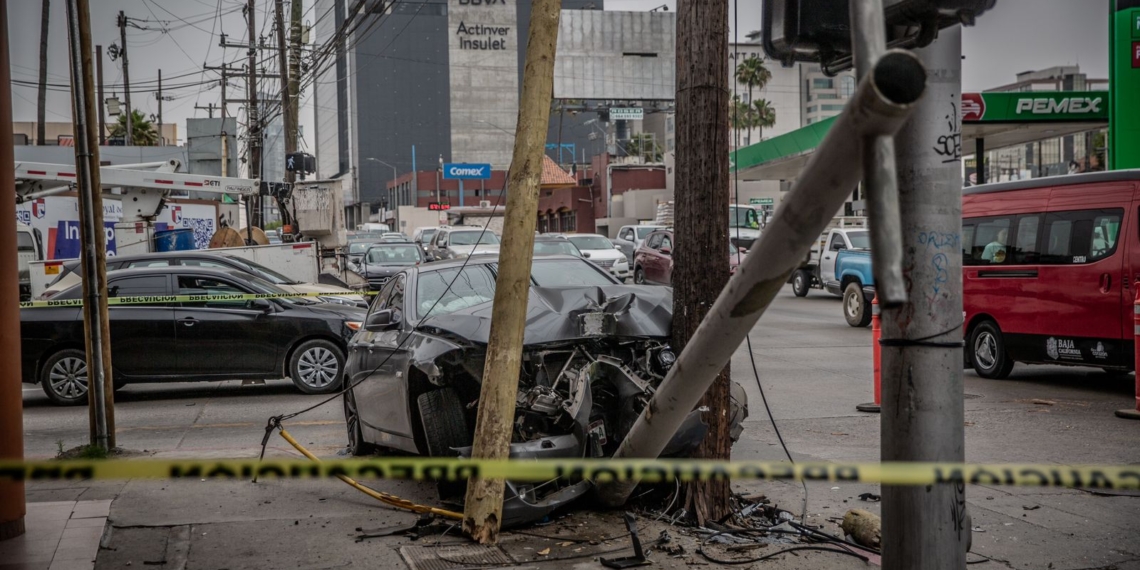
x: 880, y: 106
x: 922, y: 411
x: 91, y: 233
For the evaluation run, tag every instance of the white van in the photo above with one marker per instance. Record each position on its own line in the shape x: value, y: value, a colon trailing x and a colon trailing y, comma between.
x: 29, y: 248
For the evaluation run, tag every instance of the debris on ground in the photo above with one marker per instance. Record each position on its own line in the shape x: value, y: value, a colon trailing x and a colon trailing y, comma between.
x: 863, y: 526
x: 870, y: 497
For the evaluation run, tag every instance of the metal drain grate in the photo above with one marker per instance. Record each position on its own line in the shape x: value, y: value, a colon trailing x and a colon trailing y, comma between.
x: 459, y: 557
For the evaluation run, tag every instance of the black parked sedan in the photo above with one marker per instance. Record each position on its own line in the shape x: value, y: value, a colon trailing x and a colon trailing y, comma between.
x: 302, y: 339
x: 594, y: 351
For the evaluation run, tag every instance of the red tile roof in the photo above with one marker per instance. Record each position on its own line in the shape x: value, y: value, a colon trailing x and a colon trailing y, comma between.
x: 553, y: 175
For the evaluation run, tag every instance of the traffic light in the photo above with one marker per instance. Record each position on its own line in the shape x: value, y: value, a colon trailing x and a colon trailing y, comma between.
x: 820, y: 30
x: 300, y: 162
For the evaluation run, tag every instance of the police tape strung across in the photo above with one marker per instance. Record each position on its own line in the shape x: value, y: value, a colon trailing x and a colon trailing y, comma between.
x: 163, y: 299
x: 1084, y: 476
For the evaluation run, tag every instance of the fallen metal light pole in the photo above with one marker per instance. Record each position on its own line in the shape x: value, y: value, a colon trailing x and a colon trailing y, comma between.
x: 880, y: 177
x: 880, y: 106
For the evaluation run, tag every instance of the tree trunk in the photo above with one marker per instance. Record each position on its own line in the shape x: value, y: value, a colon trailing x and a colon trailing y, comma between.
x: 41, y: 97
x: 748, y: 133
x: 483, y: 508
x: 700, y: 260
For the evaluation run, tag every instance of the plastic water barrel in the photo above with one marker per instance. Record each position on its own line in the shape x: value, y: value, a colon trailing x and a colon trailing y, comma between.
x: 174, y: 240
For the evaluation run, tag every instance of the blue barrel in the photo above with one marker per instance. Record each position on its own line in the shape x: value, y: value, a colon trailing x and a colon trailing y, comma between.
x: 174, y: 240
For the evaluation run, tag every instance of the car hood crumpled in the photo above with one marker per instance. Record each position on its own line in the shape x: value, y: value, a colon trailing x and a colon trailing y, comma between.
x: 559, y: 314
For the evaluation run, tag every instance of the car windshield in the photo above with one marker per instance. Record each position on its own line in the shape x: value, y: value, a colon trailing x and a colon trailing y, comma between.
x: 425, y: 236
x: 393, y: 255
x: 860, y: 239
x: 591, y: 242
x: 745, y: 218
x: 646, y: 230
x: 360, y: 247
x: 472, y: 238
x: 556, y: 247
x: 567, y: 273
x: 447, y: 290
x: 264, y: 272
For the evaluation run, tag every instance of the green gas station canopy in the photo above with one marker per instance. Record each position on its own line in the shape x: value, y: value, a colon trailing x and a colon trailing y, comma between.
x: 1002, y: 119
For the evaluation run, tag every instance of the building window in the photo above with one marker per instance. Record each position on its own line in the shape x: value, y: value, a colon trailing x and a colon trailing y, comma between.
x: 827, y: 96
x: 669, y: 125
x: 822, y: 83
x: 808, y: 121
x: 831, y: 107
x: 568, y: 220
x: 846, y: 86
x: 670, y: 144
x: 811, y: 109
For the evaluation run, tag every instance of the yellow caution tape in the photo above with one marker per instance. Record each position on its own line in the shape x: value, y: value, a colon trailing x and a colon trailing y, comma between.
x: 164, y: 299
x: 602, y: 470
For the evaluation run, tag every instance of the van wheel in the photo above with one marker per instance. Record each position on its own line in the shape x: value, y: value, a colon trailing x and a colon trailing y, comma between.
x: 987, y: 350
x: 445, y: 428
x: 64, y: 378
x: 855, y: 307
x: 801, y: 283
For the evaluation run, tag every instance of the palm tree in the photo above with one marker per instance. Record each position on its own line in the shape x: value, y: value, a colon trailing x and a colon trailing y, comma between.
x: 765, y: 115
x: 143, y: 132
x: 742, y: 116
x: 752, y: 73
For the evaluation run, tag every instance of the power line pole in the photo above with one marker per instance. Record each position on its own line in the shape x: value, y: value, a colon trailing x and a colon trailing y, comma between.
x: 41, y: 97
x: 209, y: 109
x: 128, y: 138
x: 483, y: 508
x: 252, y: 114
x: 161, y: 139
x: 283, y: 66
x: 100, y: 395
x: 102, y: 101
x: 12, y: 499
x: 293, y: 135
x: 922, y: 406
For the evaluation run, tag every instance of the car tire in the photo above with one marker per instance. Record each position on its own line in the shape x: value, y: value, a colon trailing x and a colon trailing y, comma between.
x: 987, y: 351
x: 639, y: 276
x: 856, y: 309
x: 64, y: 377
x: 357, y: 447
x: 445, y: 428
x: 801, y: 283
x: 317, y: 367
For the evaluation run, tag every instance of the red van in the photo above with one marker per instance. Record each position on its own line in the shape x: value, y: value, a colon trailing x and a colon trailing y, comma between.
x: 1049, y: 267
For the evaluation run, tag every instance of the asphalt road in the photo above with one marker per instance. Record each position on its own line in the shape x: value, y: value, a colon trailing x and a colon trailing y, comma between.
x: 814, y: 369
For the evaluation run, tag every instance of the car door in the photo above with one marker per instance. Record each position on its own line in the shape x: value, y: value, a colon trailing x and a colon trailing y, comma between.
x: 439, y: 245
x: 665, y: 260
x: 626, y: 240
x: 383, y: 399
x: 142, y: 334
x: 651, y: 257
x: 220, y: 337
x: 827, y: 265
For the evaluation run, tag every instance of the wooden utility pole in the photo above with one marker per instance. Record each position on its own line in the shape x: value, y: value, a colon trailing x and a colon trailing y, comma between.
x: 283, y: 66
x: 700, y: 230
x: 128, y: 138
x: 483, y: 508
x: 41, y: 96
x: 102, y: 102
x: 253, y: 115
x: 92, y: 235
x: 291, y: 136
x: 161, y: 140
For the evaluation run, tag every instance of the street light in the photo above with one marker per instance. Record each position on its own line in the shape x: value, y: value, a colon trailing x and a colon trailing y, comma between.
x: 391, y: 200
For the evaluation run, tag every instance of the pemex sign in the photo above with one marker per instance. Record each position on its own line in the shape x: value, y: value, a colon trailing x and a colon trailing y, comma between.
x: 1073, y: 106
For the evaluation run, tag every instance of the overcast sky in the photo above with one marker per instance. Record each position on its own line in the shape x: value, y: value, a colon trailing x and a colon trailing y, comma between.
x: 1003, y: 43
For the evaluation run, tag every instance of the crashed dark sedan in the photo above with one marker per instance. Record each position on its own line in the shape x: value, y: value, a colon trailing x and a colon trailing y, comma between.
x: 594, y: 352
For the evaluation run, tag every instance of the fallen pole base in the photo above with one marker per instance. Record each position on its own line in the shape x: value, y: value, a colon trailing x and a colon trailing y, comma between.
x: 1128, y: 414
x: 869, y: 407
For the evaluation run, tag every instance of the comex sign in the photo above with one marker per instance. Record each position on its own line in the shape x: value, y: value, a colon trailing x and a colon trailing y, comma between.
x: 460, y: 171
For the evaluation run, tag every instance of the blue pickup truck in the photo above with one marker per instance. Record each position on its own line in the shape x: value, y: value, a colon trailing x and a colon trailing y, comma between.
x: 855, y: 282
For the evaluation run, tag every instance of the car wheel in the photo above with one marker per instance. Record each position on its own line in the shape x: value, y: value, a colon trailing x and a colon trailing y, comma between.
x: 801, y: 283
x: 64, y: 378
x: 356, y: 444
x: 445, y: 428
x: 317, y: 367
x: 988, y: 352
x: 639, y: 276
x: 855, y: 308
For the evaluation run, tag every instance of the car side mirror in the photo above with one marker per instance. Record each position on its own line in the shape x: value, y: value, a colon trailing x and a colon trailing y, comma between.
x: 586, y: 254
x: 838, y: 247
x: 382, y: 320
x: 261, y: 305
x: 617, y: 247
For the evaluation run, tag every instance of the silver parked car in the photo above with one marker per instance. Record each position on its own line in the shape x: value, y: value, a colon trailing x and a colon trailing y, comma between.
x: 460, y: 242
x: 630, y: 238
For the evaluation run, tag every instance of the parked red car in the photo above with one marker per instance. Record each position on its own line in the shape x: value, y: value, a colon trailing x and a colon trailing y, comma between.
x: 653, y: 261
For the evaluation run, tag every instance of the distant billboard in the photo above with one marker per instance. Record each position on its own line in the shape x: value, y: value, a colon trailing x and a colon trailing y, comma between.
x: 616, y: 55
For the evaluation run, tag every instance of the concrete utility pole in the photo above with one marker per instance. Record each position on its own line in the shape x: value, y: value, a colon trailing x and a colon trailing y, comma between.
x: 12, y: 505
x: 881, y: 104
x: 483, y: 509
x: 922, y: 410
x: 92, y: 236
x: 128, y: 138
x: 701, y: 226
x: 252, y: 114
x: 41, y: 96
x: 161, y: 139
x: 292, y: 135
x: 102, y: 102
x: 283, y: 65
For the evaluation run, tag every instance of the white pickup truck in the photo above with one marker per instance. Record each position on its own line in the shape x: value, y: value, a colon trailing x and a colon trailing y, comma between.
x: 818, y: 270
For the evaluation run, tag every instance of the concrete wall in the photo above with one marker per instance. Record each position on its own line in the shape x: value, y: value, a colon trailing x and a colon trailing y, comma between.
x: 409, y: 218
x: 642, y: 204
x: 615, y: 55
x: 204, y: 146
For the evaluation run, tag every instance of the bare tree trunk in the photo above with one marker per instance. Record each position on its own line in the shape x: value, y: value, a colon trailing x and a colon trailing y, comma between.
x: 700, y: 260
x: 483, y: 508
x: 41, y: 98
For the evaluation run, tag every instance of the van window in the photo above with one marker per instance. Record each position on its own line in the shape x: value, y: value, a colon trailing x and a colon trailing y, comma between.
x: 967, y: 242
x: 991, y: 241
x: 1081, y: 237
x: 25, y: 242
x: 1025, y: 246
